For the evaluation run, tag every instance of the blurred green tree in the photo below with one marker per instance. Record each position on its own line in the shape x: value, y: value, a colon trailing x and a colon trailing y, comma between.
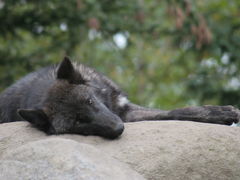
x: 165, y: 54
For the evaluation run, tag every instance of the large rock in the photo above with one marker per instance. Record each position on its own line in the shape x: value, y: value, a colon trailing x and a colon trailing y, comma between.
x: 58, y: 158
x: 158, y: 150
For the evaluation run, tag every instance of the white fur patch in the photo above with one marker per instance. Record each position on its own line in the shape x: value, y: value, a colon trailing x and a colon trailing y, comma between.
x: 122, y: 101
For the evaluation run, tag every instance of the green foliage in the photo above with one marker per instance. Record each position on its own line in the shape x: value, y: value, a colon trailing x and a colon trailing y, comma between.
x: 178, y: 53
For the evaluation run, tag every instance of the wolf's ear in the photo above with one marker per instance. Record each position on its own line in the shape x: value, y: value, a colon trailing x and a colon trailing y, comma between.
x: 36, y: 117
x: 67, y: 72
x: 66, y: 69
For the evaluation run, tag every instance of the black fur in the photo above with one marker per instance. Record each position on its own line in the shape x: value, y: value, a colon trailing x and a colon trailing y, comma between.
x: 73, y: 98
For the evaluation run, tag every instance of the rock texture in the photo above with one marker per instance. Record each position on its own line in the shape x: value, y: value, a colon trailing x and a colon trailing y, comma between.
x: 62, y: 159
x: 157, y: 150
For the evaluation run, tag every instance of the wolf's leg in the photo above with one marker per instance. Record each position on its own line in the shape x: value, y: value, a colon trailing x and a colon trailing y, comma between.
x: 207, y: 114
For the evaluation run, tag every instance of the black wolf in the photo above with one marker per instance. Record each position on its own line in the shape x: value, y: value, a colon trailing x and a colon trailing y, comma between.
x: 73, y: 98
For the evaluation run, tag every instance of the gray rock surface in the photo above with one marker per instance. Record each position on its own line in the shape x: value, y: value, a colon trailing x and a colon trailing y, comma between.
x: 63, y: 159
x: 158, y: 150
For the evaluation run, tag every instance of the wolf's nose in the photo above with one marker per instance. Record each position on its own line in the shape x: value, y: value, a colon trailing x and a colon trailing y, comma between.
x: 118, y: 130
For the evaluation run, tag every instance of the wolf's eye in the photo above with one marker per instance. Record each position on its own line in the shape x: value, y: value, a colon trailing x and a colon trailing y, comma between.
x: 89, y: 101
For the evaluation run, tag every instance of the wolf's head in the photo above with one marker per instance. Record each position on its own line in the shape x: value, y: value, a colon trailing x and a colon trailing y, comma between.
x: 72, y: 106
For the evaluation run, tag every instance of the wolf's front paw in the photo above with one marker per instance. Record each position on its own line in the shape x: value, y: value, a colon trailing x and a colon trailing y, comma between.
x: 222, y: 114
